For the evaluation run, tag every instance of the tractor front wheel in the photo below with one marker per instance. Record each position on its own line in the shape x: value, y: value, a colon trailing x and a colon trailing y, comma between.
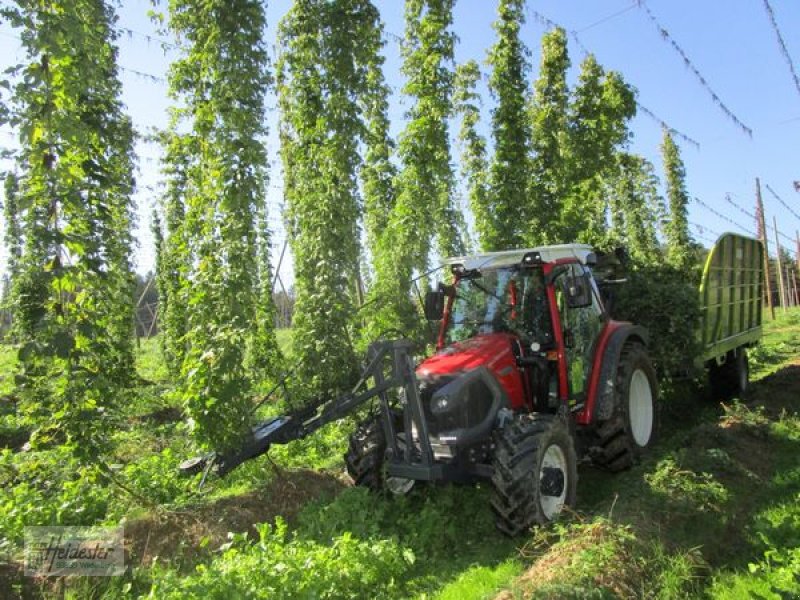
x: 632, y: 428
x: 365, y: 455
x: 535, y: 472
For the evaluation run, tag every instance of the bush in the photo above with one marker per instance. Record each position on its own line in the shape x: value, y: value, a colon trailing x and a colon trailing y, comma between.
x: 47, y: 488
x: 667, y: 303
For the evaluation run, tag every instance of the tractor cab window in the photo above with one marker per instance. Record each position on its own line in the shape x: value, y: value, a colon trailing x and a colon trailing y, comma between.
x: 501, y: 300
x: 580, y: 327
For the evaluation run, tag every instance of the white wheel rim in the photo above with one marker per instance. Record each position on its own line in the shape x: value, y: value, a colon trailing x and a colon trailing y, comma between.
x: 554, y: 458
x: 640, y: 408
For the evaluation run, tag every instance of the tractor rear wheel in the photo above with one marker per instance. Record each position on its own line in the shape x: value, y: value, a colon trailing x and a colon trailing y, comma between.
x: 731, y: 378
x: 535, y: 472
x: 365, y: 455
x: 633, y: 426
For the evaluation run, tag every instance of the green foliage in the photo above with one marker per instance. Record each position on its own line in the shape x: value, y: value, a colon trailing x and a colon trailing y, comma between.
x: 504, y: 224
x: 683, y: 488
x: 324, y: 71
x: 378, y: 171
x: 173, y: 257
x: 264, y: 356
x: 664, y: 301
x: 282, y: 565
x: 679, y: 251
x: 73, y: 292
x: 548, y: 141
x: 636, y: 208
x: 602, y: 104
x: 424, y: 208
x: 217, y: 175
x: 474, y: 162
x: 156, y: 477
x: 13, y: 234
x: 576, y: 136
x: 48, y: 487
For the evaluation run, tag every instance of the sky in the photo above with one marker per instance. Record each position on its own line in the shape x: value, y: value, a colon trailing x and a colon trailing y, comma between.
x: 731, y: 45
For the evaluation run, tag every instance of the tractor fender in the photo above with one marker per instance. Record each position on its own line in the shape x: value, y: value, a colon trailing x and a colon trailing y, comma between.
x: 600, y: 405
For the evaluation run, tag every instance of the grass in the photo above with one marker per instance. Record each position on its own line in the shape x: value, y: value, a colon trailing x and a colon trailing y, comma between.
x: 712, y: 511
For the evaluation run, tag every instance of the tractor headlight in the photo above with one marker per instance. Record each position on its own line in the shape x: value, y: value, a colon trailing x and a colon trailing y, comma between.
x: 440, y: 404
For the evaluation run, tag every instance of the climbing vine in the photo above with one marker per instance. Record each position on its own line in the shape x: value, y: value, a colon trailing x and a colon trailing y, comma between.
x: 549, y: 138
x: 600, y: 108
x: 73, y: 287
x: 474, y: 162
x: 174, y: 259
x: 423, y: 212
x: 679, y: 251
x: 328, y: 85
x: 504, y: 223
x: 12, y: 239
x: 221, y: 79
x: 636, y: 208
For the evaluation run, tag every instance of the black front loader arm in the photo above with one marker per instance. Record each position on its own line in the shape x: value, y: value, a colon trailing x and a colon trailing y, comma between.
x: 295, y: 426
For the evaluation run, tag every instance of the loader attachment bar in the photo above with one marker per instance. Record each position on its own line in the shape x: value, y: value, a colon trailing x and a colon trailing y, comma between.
x: 302, y: 423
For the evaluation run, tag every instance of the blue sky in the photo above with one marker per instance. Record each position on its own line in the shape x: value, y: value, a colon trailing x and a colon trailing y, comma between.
x: 732, y: 44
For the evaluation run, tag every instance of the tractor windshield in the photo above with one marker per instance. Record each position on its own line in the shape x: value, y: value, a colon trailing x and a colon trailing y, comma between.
x: 499, y: 300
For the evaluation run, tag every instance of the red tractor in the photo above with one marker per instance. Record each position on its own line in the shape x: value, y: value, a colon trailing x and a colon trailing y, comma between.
x: 529, y: 373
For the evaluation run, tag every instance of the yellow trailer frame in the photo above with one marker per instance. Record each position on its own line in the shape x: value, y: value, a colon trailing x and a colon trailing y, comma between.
x: 731, y: 297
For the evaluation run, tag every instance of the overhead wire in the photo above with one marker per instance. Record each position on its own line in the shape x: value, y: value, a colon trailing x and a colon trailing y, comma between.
x: 667, y: 37
x: 782, y: 44
x: 725, y: 218
x: 547, y: 22
x: 607, y: 18
x: 779, y: 199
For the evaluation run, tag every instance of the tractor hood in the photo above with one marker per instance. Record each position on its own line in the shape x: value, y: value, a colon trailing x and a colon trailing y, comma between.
x: 492, y: 350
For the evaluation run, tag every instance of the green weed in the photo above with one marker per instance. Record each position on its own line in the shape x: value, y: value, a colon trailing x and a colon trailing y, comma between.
x: 283, y: 565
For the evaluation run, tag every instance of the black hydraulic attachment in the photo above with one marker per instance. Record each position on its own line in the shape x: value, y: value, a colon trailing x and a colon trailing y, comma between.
x: 390, y: 366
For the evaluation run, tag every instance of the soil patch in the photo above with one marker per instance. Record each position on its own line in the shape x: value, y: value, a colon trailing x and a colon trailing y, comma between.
x: 195, y: 533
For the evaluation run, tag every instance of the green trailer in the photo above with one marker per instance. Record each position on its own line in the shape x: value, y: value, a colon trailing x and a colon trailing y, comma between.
x: 731, y: 296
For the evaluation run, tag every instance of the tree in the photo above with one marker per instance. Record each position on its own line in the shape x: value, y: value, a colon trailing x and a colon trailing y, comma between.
x: 505, y: 223
x: 326, y: 78
x: 474, y: 162
x: 679, y: 248
x: 74, y: 286
x: 221, y: 79
x: 549, y: 140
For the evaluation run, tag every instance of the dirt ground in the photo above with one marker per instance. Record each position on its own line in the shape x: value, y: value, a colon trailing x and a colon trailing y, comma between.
x: 190, y: 532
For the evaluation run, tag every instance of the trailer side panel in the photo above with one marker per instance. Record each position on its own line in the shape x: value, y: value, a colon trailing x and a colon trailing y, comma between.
x: 731, y: 294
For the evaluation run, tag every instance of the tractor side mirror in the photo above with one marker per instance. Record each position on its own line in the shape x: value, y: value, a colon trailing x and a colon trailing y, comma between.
x: 434, y: 305
x: 579, y: 291
x: 434, y: 301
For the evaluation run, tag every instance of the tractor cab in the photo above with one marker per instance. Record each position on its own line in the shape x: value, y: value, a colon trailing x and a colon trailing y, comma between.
x: 530, y: 316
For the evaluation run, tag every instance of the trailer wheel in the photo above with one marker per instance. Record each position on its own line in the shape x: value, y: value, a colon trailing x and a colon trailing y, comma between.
x: 633, y: 426
x: 732, y: 378
x: 535, y: 472
x: 365, y: 454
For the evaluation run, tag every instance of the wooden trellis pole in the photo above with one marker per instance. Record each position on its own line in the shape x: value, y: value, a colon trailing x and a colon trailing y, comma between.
x: 762, y: 226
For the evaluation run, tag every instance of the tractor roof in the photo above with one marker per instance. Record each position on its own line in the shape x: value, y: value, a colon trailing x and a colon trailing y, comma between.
x: 507, y: 258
